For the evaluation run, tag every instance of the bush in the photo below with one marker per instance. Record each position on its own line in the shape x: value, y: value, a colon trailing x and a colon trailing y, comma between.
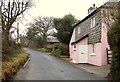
x: 114, y: 36
x: 56, y: 53
x: 64, y: 49
x: 42, y: 49
x: 114, y: 42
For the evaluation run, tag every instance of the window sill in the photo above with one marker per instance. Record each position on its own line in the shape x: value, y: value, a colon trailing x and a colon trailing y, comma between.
x: 93, y: 54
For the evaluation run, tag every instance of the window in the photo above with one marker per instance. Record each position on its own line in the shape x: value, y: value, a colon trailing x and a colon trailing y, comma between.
x: 93, y: 49
x: 79, y: 30
x: 74, y: 45
x: 93, y: 22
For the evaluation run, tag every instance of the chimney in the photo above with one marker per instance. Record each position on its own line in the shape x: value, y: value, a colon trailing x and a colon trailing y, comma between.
x: 91, y: 9
x: 93, y: 5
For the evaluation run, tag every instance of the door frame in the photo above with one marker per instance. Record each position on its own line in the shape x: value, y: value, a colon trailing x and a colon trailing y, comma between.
x: 82, y: 53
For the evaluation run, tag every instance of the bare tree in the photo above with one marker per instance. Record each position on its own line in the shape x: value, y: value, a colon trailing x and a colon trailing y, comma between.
x: 10, y: 10
x: 110, y: 13
x: 42, y: 25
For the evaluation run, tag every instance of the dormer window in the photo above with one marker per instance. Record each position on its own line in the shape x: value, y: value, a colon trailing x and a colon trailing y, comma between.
x: 93, y: 22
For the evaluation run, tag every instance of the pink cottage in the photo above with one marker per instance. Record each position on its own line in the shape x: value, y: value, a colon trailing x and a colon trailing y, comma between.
x: 89, y: 39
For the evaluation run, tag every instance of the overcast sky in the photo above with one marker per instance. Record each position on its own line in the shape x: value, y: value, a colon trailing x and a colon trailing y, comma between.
x: 59, y: 8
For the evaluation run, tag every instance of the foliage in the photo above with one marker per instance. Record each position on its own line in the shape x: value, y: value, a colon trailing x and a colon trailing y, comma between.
x: 64, y: 49
x: 42, y: 49
x: 111, y: 18
x: 11, y: 50
x: 23, y: 41
x: 32, y: 45
x: 40, y: 42
x: 114, y: 42
x: 56, y: 53
x: 114, y: 36
x: 11, y: 64
x: 39, y: 30
x: 31, y: 33
x: 64, y: 27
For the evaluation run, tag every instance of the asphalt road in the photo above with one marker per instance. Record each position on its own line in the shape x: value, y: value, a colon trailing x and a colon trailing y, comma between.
x: 46, y: 67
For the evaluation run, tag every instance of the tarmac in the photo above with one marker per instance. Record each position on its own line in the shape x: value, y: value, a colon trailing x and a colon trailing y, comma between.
x: 101, y: 71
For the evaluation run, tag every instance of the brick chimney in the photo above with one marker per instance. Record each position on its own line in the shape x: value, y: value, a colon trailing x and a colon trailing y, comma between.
x: 91, y: 9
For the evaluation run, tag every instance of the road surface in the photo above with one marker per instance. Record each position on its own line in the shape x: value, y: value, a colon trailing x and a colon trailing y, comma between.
x: 46, y: 67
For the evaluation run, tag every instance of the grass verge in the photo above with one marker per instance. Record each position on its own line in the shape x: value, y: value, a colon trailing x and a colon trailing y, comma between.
x: 11, y: 64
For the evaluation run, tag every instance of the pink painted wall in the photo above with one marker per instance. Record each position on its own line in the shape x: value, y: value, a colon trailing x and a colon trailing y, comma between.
x: 72, y: 51
x: 75, y: 54
x: 104, y: 44
x: 95, y: 59
x: 83, y: 41
x: 100, y: 57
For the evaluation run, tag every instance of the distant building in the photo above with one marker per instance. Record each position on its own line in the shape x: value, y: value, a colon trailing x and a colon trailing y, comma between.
x: 52, y: 42
x: 51, y: 39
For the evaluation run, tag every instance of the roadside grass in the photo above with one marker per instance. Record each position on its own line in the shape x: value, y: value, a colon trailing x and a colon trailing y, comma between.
x: 56, y: 53
x: 42, y: 49
x: 12, y: 63
x: 59, y: 52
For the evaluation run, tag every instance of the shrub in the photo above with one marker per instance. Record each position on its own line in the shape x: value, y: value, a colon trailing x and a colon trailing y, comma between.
x: 42, y: 49
x: 114, y: 36
x: 64, y: 49
x: 114, y: 42
x: 56, y: 53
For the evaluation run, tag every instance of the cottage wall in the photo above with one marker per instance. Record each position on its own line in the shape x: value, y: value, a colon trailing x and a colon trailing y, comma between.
x: 71, y: 52
x: 95, y: 36
x: 95, y: 59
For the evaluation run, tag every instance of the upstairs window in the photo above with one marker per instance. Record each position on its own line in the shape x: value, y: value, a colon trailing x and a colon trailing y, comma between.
x: 93, y: 50
x: 79, y: 30
x: 74, y: 45
x: 93, y: 22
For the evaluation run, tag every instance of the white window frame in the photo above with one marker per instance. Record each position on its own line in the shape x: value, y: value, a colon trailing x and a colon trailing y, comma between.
x: 79, y: 30
x: 93, y: 21
x: 74, y: 47
x: 93, y: 50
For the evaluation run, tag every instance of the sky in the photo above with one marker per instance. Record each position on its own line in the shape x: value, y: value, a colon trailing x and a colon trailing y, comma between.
x: 58, y: 8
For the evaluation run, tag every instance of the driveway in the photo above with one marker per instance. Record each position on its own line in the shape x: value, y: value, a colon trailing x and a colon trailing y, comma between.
x: 46, y: 67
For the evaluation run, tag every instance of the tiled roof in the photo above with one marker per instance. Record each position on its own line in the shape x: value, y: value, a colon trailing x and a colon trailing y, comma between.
x: 52, y: 39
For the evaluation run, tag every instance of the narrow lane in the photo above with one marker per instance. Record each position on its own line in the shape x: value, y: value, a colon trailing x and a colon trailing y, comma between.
x: 46, y: 67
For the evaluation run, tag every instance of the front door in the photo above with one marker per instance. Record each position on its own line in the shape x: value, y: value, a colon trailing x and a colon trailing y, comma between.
x: 83, y: 54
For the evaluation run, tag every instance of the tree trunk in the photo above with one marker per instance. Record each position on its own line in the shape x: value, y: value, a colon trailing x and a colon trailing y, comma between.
x: 5, y: 42
x: 6, y: 37
x: 45, y: 40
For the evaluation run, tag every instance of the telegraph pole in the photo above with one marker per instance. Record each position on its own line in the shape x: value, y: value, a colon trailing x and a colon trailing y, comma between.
x: 18, y: 36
